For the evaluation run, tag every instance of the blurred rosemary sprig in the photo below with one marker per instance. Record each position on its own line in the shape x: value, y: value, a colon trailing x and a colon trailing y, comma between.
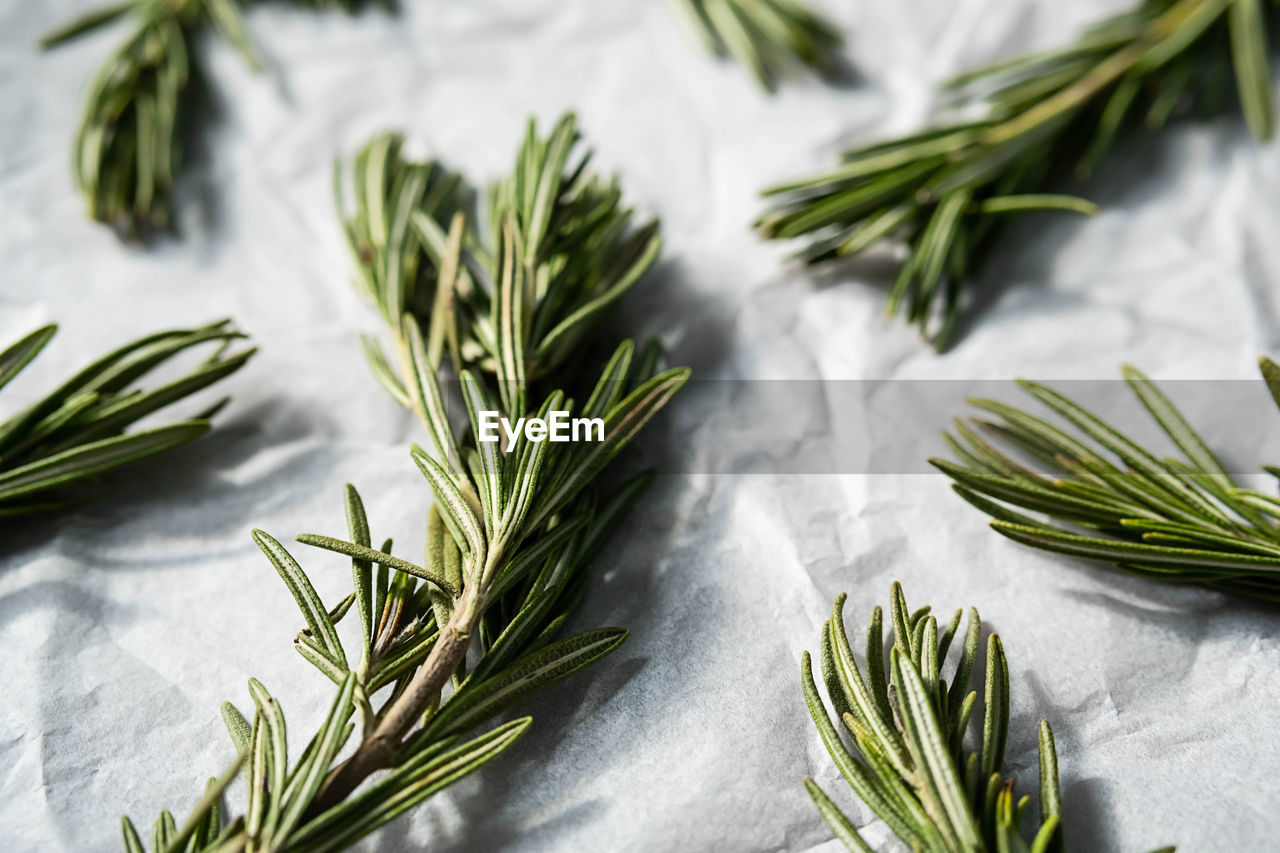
x: 127, y: 150
x: 509, y: 538
x: 770, y: 37
x: 51, y: 450
x: 947, y: 191
x: 128, y: 147
x: 1174, y: 520
x: 908, y: 726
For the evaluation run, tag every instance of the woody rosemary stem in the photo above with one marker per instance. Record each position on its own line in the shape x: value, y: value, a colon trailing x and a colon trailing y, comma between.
x: 380, y: 750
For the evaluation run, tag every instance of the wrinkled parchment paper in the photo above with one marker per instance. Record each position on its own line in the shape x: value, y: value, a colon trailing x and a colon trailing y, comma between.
x: 123, y: 625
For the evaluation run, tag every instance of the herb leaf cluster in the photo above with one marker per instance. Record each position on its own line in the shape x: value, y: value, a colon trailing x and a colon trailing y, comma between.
x: 1108, y: 498
x: 128, y: 147
x: 947, y: 191
x: 908, y: 728
x: 511, y: 293
x: 54, y: 448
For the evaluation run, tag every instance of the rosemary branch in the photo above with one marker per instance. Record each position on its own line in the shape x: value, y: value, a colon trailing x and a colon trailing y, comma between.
x: 513, y: 529
x: 769, y: 37
x: 947, y: 190
x: 128, y: 147
x: 908, y: 729
x: 51, y: 449
x: 1173, y: 520
x: 511, y: 308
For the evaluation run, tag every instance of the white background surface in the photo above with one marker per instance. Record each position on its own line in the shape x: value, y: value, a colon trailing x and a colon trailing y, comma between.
x: 124, y: 625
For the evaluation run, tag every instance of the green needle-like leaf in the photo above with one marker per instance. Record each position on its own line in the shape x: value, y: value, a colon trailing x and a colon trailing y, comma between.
x: 318, y: 622
x: 840, y: 825
x: 1050, y: 797
x: 229, y: 21
x: 360, y: 552
x: 87, y: 23
x: 454, y: 509
x: 239, y: 728
x: 1247, y: 26
x: 20, y: 354
x: 621, y: 424
x: 1271, y: 375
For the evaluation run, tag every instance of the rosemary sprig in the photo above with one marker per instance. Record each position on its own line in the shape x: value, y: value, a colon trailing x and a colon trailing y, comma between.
x: 769, y: 37
x: 908, y: 729
x: 509, y: 539
x: 505, y: 572
x: 1174, y: 520
x: 513, y: 307
x: 128, y: 147
x: 947, y: 190
x: 52, y: 449
x: 908, y: 726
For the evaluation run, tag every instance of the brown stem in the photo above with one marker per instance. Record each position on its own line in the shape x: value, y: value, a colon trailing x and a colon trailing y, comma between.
x: 379, y: 750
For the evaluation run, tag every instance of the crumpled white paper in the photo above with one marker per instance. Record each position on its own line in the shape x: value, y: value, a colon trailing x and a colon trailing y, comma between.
x: 123, y: 625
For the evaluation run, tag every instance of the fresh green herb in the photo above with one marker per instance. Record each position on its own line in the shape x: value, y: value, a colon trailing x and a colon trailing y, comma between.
x: 1174, y: 520
x: 128, y: 149
x: 509, y: 539
x: 908, y: 726
x: 770, y: 37
x: 947, y: 190
x: 557, y: 249
x: 55, y: 447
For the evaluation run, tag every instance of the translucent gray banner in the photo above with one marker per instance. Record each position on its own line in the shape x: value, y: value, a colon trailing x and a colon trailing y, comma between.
x: 894, y: 426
